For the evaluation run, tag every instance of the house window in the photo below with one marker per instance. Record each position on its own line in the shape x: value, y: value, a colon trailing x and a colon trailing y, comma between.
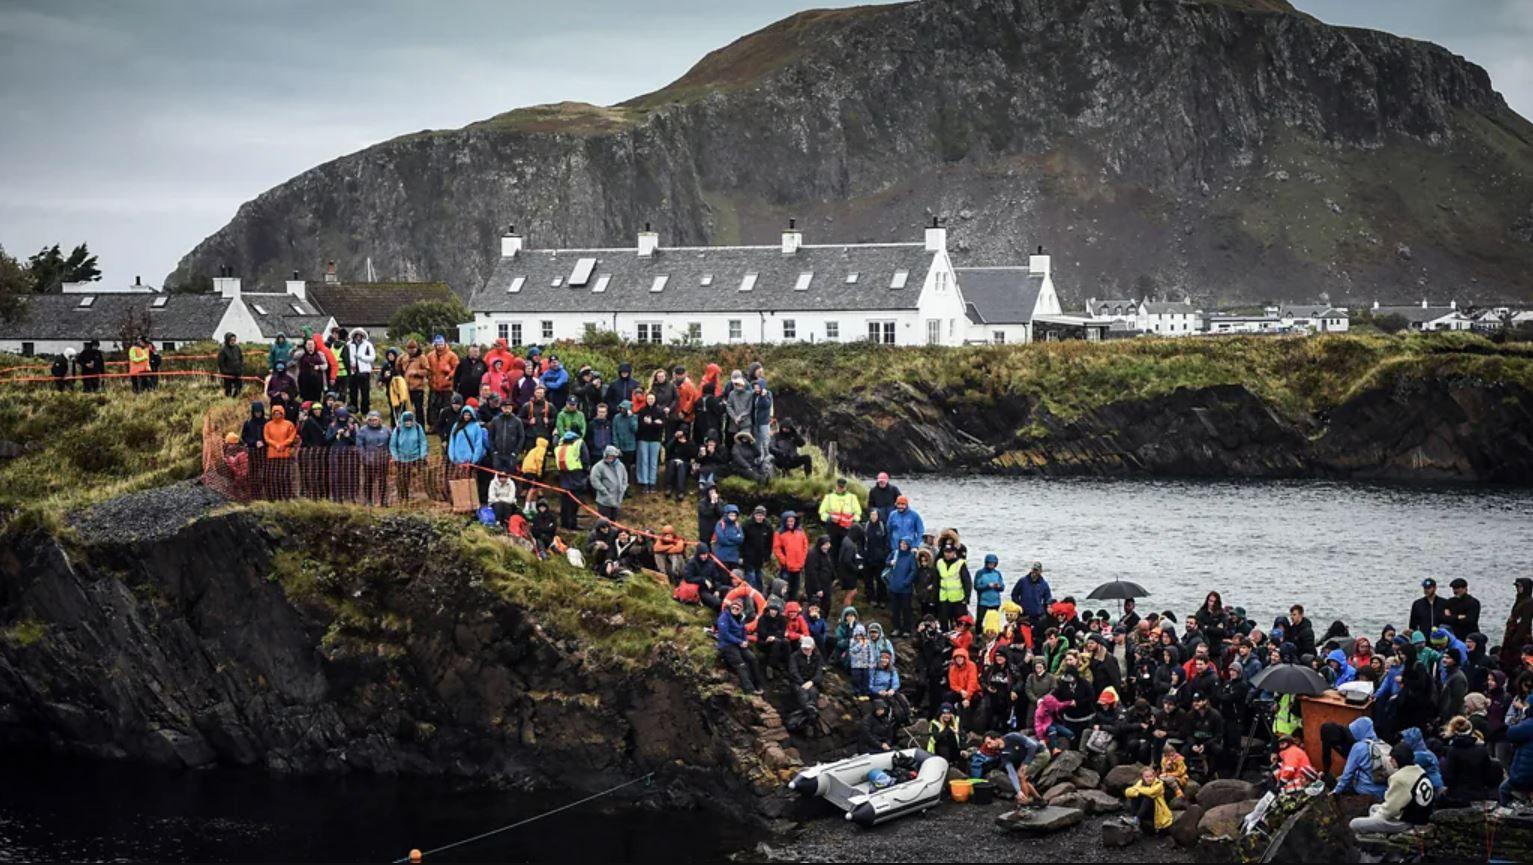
x: 881, y: 332
x: 900, y: 277
x: 516, y: 333
x: 934, y: 332
x: 27, y: 349
x: 832, y: 330
x: 942, y: 280
x: 748, y: 282
x: 851, y: 278
x: 706, y: 280
x: 516, y: 285
x: 558, y: 281
x: 548, y: 329
x: 168, y: 346
x: 803, y: 281
x: 503, y: 330
x: 649, y: 332
x: 601, y: 283
x: 789, y: 329
x: 589, y: 329
x: 659, y: 283
x: 998, y: 337
x: 694, y: 331
x: 735, y: 330
x: 159, y: 302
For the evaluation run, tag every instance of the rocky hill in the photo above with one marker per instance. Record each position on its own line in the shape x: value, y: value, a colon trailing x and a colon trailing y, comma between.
x: 1236, y: 149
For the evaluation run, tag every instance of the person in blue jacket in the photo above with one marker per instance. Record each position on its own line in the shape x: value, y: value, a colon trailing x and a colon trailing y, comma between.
x: 1424, y: 757
x: 728, y: 535
x: 902, y: 588
x: 556, y: 382
x: 884, y: 680
x: 904, y: 522
x: 734, y: 646
x: 1519, y: 775
x: 1357, y: 775
x: 1444, y: 641
x: 466, y: 444
x: 989, y: 587
x: 1032, y: 593
x: 1342, y: 670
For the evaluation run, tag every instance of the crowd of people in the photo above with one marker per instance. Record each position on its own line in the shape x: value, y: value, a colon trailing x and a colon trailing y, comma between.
x: 994, y: 670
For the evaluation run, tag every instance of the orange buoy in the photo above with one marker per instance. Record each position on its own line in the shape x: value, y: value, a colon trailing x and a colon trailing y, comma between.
x: 416, y: 856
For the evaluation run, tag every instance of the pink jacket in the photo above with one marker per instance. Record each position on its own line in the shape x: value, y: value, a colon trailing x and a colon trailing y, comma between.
x: 1048, y: 709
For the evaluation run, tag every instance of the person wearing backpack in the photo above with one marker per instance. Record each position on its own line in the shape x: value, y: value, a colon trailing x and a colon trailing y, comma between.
x: 1408, y: 802
x: 1369, y: 763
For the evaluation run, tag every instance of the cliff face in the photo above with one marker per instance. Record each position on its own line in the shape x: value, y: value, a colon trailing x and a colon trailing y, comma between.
x: 1234, y: 149
x: 231, y: 641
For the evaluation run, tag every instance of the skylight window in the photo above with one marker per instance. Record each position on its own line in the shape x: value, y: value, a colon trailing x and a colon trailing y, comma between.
x: 582, y: 272
x: 900, y: 276
x: 258, y: 309
x: 659, y: 283
x: 851, y: 278
x: 706, y: 280
x: 748, y: 282
x: 298, y: 309
x: 803, y: 281
x: 516, y: 284
x: 85, y: 302
x: 558, y: 281
x: 159, y: 302
x: 601, y: 283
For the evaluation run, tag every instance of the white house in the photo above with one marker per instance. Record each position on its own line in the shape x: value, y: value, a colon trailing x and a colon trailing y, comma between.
x: 1167, y: 318
x: 260, y: 316
x: 1003, y: 302
x: 1316, y: 318
x: 50, y: 323
x: 1114, y: 310
x: 1220, y: 322
x: 1427, y: 317
x: 893, y: 293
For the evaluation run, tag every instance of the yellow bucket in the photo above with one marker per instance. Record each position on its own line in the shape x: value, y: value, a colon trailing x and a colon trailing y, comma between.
x: 960, y: 788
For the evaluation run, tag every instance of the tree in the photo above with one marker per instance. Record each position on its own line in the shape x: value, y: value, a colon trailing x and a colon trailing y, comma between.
x: 15, y: 285
x: 50, y: 268
x: 134, y: 322
x: 1390, y: 322
x: 428, y: 318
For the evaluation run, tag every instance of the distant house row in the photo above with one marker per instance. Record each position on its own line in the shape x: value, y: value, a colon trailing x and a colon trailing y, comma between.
x: 51, y: 323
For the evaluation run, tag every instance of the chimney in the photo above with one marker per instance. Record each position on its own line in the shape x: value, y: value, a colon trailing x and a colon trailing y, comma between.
x: 227, y: 284
x: 649, y: 241
x: 297, y: 287
x: 138, y: 281
x: 330, y: 276
x: 1036, y: 263
x: 936, y: 237
x: 510, y: 243
x: 1453, y: 304
x: 1375, y: 304
x: 792, y: 239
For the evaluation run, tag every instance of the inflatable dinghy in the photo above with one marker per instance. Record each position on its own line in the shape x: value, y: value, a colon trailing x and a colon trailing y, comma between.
x: 846, y: 784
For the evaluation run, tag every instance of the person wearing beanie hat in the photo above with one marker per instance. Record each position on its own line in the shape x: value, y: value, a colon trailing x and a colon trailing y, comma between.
x: 772, y: 638
x: 573, y: 462
x: 904, y: 522
x: 609, y: 482
x: 756, y: 549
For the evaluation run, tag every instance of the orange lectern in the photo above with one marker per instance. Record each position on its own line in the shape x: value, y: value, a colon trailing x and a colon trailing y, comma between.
x: 1329, y: 709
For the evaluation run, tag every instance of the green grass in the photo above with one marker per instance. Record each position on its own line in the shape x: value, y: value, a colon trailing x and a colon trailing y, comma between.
x: 27, y: 632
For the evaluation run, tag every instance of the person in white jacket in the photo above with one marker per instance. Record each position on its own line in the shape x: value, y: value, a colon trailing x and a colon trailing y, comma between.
x: 502, y: 496
x: 360, y: 355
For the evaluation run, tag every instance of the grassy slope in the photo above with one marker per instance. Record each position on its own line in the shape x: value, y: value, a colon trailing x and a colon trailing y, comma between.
x: 82, y: 449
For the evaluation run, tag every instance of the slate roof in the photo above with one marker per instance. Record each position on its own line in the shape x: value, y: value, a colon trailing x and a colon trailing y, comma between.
x: 284, y: 313
x: 372, y: 304
x: 1318, y: 310
x: 631, y: 278
x: 1416, y: 314
x: 1169, y: 307
x: 1105, y: 307
x: 999, y: 295
x: 183, y: 318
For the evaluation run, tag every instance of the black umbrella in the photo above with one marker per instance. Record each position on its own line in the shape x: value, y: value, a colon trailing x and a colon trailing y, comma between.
x: 1290, y: 679
x: 1118, y: 590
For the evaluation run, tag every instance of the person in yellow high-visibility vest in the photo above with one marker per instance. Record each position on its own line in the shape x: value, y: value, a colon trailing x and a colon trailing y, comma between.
x: 571, y: 458
x: 138, y: 364
x: 953, y: 586
x: 838, y: 511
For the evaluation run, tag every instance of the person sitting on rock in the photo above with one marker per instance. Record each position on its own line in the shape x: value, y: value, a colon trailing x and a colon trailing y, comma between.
x: 1147, y: 808
x: 1012, y: 752
x: 1173, y: 771
x: 946, y: 739
x: 805, y: 667
x: 772, y: 637
x: 735, y: 648
x: 1408, y: 802
x: 1291, y: 768
x: 877, y: 731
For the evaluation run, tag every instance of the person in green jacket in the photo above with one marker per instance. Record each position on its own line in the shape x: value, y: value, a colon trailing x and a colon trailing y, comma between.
x: 843, y: 637
x: 625, y: 434
x: 570, y: 419
x: 281, y: 352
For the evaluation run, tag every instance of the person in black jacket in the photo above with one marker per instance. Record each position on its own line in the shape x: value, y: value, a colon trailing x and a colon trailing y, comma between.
x: 1203, y: 731
x: 756, y: 549
x: 819, y: 573
x: 1429, y: 610
x: 875, y: 555
x: 710, y: 509
x: 1463, y: 609
x: 92, y: 365
x: 849, y: 563
x: 701, y: 571
x: 784, y: 449
x: 470, y: 373
x: 1469, y: 772
x: 231, y: 365
x: 877, y: 731
x: 805, y: 667
x: 1299, y: 631
x: 679, y: 454
x: 772, y: 637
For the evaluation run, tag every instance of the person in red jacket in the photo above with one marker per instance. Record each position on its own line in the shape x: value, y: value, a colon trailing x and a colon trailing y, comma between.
x: 798, y: 626
x: 790, y: 546
x: 962, y: 682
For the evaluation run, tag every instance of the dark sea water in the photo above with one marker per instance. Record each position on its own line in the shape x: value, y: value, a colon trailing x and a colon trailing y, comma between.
x: 84, y: 811
x: 1349, y: 551
x: 1355, y: 552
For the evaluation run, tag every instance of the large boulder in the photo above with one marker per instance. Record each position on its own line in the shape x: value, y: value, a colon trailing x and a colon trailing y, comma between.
x: 1184, y: 829
x: 1116, y: 833
x: 1318, y: 832
x: 1057, y: 791
x: 1225, y: 791
x: 1041, y: 821
x: 1097, y: 802
x: 1223, y: 821
x: 1060, y: 769
x: 1086, y: 779
x: 1120, y: 778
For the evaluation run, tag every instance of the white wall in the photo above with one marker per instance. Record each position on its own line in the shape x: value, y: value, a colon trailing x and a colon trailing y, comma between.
x: 755, y: 327
x: 1012, y: 334
x: 941, y: 300
x: 50, y: 347
x: 1170, y: 323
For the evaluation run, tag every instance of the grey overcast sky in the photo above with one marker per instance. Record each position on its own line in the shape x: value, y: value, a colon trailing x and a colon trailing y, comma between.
x: 141, y: 126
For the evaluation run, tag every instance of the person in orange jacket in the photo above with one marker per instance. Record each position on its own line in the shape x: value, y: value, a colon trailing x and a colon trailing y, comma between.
x: 962, y: 680
x: 754, y: 601
x: 1291, y: 765
x: 687, y: 395
x: 503, y: 354
x: 442, y: 363
x: 790, y: 547
x: 670, y: 554
x: 280, y: 435
x: 138, y: 364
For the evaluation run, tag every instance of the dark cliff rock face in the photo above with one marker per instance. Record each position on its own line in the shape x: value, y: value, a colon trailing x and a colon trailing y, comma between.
x: 183, y: 650
x: 1431, y: 430
x: 1239, y: 149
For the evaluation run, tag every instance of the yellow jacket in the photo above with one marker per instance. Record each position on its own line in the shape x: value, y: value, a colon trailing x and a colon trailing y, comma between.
x: 845, y: 508
x: 532, y: 464
x: 1157, y: 791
